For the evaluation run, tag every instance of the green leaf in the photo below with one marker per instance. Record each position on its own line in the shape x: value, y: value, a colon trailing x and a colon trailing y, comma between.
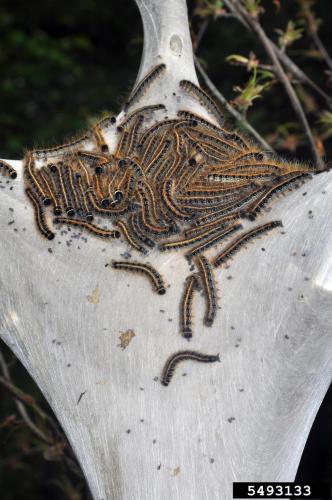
x: 237, y: 58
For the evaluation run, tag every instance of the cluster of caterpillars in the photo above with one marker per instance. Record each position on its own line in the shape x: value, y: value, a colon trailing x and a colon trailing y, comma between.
x: 180, y: 183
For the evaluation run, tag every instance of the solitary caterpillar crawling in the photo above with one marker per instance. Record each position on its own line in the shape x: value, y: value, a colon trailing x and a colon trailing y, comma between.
x: 180, y: 183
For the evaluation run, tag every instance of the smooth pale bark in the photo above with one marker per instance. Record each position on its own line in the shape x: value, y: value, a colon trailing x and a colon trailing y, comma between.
x: 244, y: 419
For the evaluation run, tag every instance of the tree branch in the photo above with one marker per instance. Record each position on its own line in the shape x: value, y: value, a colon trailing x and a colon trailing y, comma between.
x: 290, y: 65
x: 321, y: 48
x: 268, y: 46
x: 20, y: 406
x: 233, y: 112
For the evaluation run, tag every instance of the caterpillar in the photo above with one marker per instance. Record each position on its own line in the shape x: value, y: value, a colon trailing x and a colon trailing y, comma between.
x: 186, y: 306
x: 141, y: 111
x: 180, y: 356
x: 149, y: 271
x: 34, y: 179
x: 100, y: 140
x: 97, y: 231
x: 143, y: 85
x: 63, y: 148
x: 277, y: 188
x: 216, y: 238
x: 84, y: 203
x: 235, y: 136
x: 206, y: 273
x: 203, y: 98
x: 235, y: 245
x: 133, y: 135
x: 176, y: 244
x: 137, y: 230
x: 129, y: 236
x: 40, y: 218
x: 46, y: 181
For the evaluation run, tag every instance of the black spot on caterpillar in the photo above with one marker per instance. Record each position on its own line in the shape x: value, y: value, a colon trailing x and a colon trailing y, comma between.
x: 186, y: 306
x: 203, y: 98
x: 97, y: 231
x: 176, y: 358
x: 206, y: 273
x: 112, y: 211
x: 39, y: 214
x: 149, y: 271
x: 235, y: 245
x: 140, y: 89
x: 7, y: 169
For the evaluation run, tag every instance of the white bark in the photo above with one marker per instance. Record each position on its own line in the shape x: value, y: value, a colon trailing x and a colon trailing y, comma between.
x: 245, y: 419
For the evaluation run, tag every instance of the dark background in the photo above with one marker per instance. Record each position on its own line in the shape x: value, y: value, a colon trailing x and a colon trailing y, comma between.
x: 63, y: 63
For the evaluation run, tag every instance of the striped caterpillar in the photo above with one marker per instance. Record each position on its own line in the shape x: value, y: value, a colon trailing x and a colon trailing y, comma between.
x: 150, y: 272
x: 178, y: 357
x: 179, y: 183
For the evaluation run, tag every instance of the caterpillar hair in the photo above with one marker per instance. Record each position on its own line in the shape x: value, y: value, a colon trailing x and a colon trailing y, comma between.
x: 216, y: 238
x: 203, y: 98
x: 40, y: 218
x: 186, y: 306
x: 206, y: 273
x: 235, y: 245
x: 97, y: 231
x: 149, y: 271
x: 180, y: 356
x: 129, y: 236
x: 140, y: 89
